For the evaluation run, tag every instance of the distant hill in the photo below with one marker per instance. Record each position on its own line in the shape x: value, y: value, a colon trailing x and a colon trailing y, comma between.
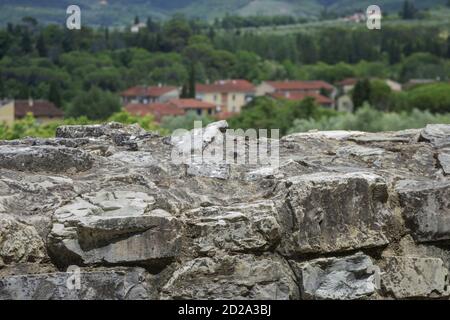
x: 121, y: 12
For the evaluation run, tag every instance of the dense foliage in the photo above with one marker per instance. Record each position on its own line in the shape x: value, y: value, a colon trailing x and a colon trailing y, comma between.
x: 30, y: 127
x: 371, y: 120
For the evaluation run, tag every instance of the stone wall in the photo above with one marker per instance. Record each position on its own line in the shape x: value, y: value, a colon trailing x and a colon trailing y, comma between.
x: 348, y: 215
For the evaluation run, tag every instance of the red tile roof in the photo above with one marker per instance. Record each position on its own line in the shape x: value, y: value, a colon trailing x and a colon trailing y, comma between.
x: 295, y: 96
x: 225, y: 86
x: 158, y: 110
x: 348, y: 82
x: 39, y: 108
x: 143, y: 91
x: 191, y: 104
x: 300, y: 85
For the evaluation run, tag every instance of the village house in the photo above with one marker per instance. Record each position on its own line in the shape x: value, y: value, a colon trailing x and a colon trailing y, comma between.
x: 43, y: 111
x: 197, y: 106
x: 229, y: 96
x: 158, y: 110
x: 321, y: 91
x: 317, y: 87
x: 299, y: 96
x: 174, y: 107
x: 148, y: 94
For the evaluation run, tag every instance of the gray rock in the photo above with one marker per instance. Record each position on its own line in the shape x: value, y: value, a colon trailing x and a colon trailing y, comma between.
x: 19, y: 242
x: 413, y: 277
x: 359, y: 151
x: 44, y: 158
x: 426, y: 208
x: 111, y: 129
x: 112, y: 197
x: 333, y: 212
x: 444, y: 160
x: 437, y: 134
x: 210, y: 170
x: 114, y: 228
x: 240, y: 228
x: 348, y: 278
x: 125, y: 284
x: 233, y: 277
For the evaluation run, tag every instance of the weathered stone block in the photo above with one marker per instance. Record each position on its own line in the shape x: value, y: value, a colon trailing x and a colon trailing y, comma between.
x: 333, y: 212
x: 114, y: 228
x: 19, y: 242
x: 233, y: 277
x: 348, y: 278
x: 426, y: 209
x: 125, y: 284
x: 241, y: 228
x: 412, y: 277
x: 44, y: 158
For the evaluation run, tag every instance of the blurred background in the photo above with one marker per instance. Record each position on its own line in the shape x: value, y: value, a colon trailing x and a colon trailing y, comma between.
x: 294, y: 65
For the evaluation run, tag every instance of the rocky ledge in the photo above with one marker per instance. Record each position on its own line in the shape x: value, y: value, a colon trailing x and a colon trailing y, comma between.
x: 103, y: 212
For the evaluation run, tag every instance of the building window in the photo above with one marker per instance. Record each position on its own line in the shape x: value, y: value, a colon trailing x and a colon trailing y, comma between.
x: 233, y: 97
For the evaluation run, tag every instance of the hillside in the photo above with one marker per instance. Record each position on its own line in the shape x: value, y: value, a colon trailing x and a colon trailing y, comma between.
x: 120, y: 12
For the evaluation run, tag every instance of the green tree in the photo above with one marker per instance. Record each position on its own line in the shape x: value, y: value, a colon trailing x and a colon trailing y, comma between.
x: 136, y: 20
x: 379, y: 95
x: 192, y: 82
x: 361, y: 93
x: 25, y: 43
x: 54, y: 94
x: 41, y: 47
x: 409, y: 10
x: 2, y: 88
x: 94, y: 104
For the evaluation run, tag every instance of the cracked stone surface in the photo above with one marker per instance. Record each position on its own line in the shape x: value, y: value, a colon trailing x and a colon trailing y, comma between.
x: 349, y: 278
x: 412, y: 277
x: 345, y: 215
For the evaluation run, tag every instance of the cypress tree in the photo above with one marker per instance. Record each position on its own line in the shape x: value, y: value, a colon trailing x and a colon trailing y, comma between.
x: 54, y: 94
x: 25, y: 43
x: 41, y: 47
x: 192, y: 81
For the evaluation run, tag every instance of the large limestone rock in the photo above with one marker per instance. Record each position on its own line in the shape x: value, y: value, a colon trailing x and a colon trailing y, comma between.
x: 241, y: 228
x: 112, y: 199
x: 444, y: 160
x: 437, y: 134
x: 426, y: 208
x: 44, y: 158
x: 125, y: 284
x: 109, y: 130
x: 414, y: 277
x: 233, y: 277
x: 328, y: 212
x: 114, y: 228
x: 19, y: 242
x: 348, y: 278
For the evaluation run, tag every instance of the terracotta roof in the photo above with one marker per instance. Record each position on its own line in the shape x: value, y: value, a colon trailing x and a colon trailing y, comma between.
x: 143, y: 91
x: 348, y: 82
x: 295, y: 96
x: 191, y: 104
x: 224, y: 86
x: 158, y: 110
x: 39, y: 108
x: 300, y: 85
